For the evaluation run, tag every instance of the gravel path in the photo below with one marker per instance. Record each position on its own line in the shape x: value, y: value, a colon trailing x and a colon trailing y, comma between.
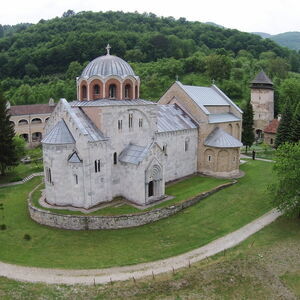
x: 58, y: 276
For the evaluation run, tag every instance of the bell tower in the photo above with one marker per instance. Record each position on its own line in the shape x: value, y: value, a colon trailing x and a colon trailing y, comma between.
x: 262, y: 100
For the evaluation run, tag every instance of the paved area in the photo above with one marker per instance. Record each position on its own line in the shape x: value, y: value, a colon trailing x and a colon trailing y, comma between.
x: 101, y: 276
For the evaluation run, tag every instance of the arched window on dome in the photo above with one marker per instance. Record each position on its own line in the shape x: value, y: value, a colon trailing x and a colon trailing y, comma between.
x: 96, y: 91
x: 112, y: 91
x: 84, y: 92
x: 136, y: 92
x: 127, y: 91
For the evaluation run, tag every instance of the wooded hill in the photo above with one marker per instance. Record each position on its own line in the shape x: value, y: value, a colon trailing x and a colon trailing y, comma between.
x: 42, y: 60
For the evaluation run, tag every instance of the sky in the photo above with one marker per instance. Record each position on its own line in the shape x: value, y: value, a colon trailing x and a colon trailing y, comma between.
x: 271, y: 16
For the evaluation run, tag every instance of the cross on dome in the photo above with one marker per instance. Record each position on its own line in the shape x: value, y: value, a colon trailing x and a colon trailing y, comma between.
x: 108, y: 47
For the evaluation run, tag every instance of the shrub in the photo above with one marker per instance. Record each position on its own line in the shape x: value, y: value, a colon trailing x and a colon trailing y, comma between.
x: 27, y: 237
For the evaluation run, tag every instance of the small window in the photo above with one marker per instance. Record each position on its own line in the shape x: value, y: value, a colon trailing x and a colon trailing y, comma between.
x: 209, y: 157
x: 120, y: 124
x: 112, y: 91
x: 127, y: 91
x: 115, y: 158
x: 234, y: 158
x: 165, y: 149
x: 97, y: 165
x: 271, y: 141
x: 130, y: 120
x: 140, y: 123
x: 48, y: 175
x: 76, y: 178
x: 186, y: 145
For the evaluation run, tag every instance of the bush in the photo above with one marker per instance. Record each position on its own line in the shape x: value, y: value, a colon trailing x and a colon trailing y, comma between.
x: 3, y: 227
x: 27, y: 237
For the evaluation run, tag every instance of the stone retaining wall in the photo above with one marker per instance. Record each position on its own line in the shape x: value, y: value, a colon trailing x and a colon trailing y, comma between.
x: 75, y: 222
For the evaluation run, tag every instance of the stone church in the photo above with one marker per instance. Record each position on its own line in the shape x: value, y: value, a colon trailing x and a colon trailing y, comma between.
x: 111, y: 143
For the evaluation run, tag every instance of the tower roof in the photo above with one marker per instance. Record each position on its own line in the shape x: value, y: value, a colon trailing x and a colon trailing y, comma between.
x: 261, y: 79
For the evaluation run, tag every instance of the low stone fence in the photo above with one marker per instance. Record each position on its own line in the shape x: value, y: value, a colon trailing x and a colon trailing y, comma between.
x: 75, y: 222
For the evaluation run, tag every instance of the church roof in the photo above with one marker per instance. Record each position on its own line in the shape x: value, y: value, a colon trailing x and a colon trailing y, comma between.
x: 218, y: 138
x: 60, y: 134
x: 107, y: 65
x: 220, y: 118
x: 74, y: 158
x: 110, y: 102
x: 262, y: 78
x: 207, y: 96
x: 272, y: 127
x: 172, y: 118
x: 133, y: 154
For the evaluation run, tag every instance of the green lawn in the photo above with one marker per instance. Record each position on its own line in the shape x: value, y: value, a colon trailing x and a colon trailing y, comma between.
x: 181, y: 191
x: 217, y: 215
x: 265, y: 266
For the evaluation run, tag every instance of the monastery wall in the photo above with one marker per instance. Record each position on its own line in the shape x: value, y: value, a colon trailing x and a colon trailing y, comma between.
x: 74, y: 222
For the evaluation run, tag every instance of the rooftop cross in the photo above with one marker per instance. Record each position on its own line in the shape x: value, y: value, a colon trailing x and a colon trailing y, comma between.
x: 108, y: 47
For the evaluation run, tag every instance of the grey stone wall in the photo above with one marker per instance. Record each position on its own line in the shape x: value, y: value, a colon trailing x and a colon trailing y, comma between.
x: 74, y: 222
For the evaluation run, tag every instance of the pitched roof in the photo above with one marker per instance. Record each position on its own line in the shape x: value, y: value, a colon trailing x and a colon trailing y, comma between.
x: 33, y: 109
x: 218, y: 138
x: 207, y: 96
x: 74, y: 158
x: 59, y: 134
x: 262, y: 78
x: 220, y: 118
x: 171, y: 117
x: 272, y: 127
x: 133, y: 154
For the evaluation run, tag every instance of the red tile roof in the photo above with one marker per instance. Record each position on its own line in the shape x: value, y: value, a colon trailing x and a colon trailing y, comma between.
x: 33, y: 109
x: 272, y: 127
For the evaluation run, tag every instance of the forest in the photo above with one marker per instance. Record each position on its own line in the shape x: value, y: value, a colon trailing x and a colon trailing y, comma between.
x: 41, y: 61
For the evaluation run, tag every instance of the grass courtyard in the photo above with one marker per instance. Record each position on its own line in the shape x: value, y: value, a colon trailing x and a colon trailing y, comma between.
x: 217, y: 215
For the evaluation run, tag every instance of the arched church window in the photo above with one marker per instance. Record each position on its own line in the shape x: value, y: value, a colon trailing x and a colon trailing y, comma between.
x: 84, y: 92
x: 96, y: 89
x: 115, y: 158
x: 127, y: 91
x: 186, y: 145
x: 136, y: 92
x: 112, y: 91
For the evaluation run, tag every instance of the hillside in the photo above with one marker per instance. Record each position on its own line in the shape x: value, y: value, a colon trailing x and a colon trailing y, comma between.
x: 287, y: 39
x: 42, y: 60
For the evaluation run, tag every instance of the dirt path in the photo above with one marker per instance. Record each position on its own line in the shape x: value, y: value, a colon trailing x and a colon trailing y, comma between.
x: 59, y: 276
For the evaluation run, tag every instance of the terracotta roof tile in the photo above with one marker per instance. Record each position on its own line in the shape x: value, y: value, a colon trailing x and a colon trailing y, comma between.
x: 272, y: 127
x: 33, y: 109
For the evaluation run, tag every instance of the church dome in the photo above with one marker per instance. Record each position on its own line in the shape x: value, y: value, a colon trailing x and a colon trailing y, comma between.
x: 107, y: 65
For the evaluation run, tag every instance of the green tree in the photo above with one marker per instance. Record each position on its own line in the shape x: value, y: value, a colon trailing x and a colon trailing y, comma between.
x: 8, y: 154
x: 284, y: 129
x: 286, y: 190
x: 20, y: 145
x: 218, y: 66
x: 296, y: 125
x: 248, y: 130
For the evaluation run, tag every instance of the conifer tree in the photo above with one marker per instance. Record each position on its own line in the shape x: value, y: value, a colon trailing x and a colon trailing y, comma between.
x: 8, y: 155
x: 284, y: 132
x: 248, y: 130
x: 296, y: 125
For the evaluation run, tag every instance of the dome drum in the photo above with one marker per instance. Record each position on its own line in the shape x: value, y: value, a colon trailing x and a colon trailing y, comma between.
x: 108, y: 77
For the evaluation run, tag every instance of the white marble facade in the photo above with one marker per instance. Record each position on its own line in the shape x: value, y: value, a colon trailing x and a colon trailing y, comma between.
x: 119, y: 145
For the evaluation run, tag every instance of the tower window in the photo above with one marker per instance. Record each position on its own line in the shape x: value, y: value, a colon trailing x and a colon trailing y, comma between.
x: 165, y: 149
x: 96, y: 89
x: 127, y: 91
x: 112, y: 91
x: 209, y: 157
x: 130, y: 120
x: 120, y: 124
x: 140, y: 123
x: 115, y: 158
x: 97, y: 165
x: 84, y: 92
x: 186, y: 145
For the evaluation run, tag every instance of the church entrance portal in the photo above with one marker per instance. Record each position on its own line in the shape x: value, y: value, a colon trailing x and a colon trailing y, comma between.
x: 154, y: 184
